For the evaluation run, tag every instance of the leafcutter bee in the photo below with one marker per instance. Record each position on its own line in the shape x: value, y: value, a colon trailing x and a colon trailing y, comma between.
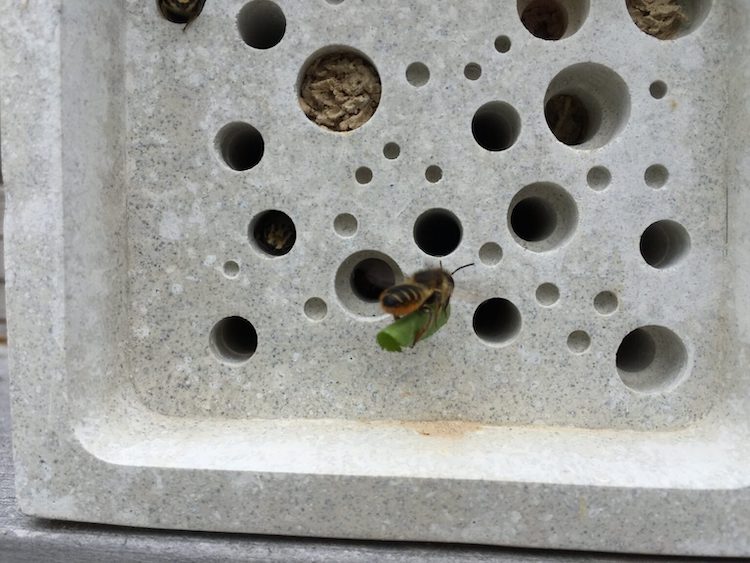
x: 429, y: 289
x: 181, y: 11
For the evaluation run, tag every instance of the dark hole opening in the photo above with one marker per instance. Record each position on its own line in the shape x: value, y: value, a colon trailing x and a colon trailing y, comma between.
x: 274, y: 232
x: 636, y: 351
x: 568, y: 119
x: 495, y: 126
x: 261, y: 23
x: 241, y: 146
x: 496, y: 320
x: 370, y: 277
x: 234, y: 338
x: 546, y: 19
x: 437, y: 232
x: 533, y: 219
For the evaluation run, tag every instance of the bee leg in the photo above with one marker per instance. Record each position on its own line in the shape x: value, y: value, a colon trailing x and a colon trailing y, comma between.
x: 426, y: 326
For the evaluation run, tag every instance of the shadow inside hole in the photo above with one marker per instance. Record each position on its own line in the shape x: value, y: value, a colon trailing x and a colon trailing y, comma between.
x: 636, y: 352
x: 664, y: 243
x: 261, y: 24
x: 234, y: 339
x: 241, y: 145
x: 273, y: 232
x: 568, y: 119
x: 496, y: 321
x: 370, y: 277
x: 546, y: 19
x: 533, y: 219
x: 496, y: 126
x: 437, y: 232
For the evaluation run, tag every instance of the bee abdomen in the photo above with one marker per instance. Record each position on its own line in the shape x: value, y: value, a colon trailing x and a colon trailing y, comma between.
x: 403, y: 299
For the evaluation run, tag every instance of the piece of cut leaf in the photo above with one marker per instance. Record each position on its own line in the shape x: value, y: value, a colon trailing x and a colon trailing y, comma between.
x: 401, y: 333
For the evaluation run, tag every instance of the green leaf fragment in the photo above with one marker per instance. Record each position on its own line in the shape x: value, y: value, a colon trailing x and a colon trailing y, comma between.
x: 401, y: 333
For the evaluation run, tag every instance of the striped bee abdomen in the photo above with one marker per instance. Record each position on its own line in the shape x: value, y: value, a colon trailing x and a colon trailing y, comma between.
x: 403, y: 299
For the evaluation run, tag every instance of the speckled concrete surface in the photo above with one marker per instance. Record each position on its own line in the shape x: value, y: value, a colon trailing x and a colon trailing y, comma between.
x: 124, y: 213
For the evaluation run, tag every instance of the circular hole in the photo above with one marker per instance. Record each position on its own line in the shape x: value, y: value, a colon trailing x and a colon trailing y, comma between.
x: 605, y: 302
x: 658, y: 89
x: 433, y: 174
x: 391, y: 151
x: 233, y: 340
x: 179, y: 13
x: 497, y: 321
x: 361, y: 278
x: 579, y: 341
x: 496, y: 126
x: 261, y: 24
x: 664, y: 244
x: 240, y: 144
x: 598, y: 178
x: 472, y: 71
x: 345, y: 225
x: 533, y: 219
x: 334, y: 2
x: 542, y: 216
x: 656, y: 176
x: 502, y: 43
x: 668, y: 20
x: 490, y: 253
x: 651, y: 359
x: 417, y: 74
x: 316, y: 309
x: 273, y: 232
x: 231, y: 269
x: 339, y: 88
x: 586, y: 105
x: 437, y: 232
x: 547, y: 294
x: 552, y: 19
x: 363, y: 175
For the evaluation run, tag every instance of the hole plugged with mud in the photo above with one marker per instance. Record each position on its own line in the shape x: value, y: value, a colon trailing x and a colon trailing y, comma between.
x: 272, y: 232
x: 340, y: 91
x: 667, y: 19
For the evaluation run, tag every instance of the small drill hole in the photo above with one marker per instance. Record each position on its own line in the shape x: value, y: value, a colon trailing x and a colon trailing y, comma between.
x: 497, y: 321
x: 370, y: 277
x: 233, y: 339
x: 651, y: 359
x: 490, y: 253
x: 605, y: 302
x: 656, y: 176
x: 231, y: 269
x: 391, y: 151
x: 598, y: 178
x: 547, y: 294
x: 437, y: 232
x: 241, y: 145
x: 261, y: 24
x: 433, y: 174
x: 664, y: 244
x: 315, y: 309
x: 578, y: 341
x: 345, y: 225
x: 273, y: 232
x: 658, y: 89
x: 472, y: 71
x: 417, y: 74
x: 502, y: 43
x: 363, y: 175
x: 496, y: 126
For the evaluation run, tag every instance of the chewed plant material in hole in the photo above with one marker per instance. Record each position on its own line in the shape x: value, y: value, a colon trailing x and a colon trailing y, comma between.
x: 420, y: 306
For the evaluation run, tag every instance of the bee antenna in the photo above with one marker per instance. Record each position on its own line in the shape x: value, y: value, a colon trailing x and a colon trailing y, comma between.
x: 461, y: 268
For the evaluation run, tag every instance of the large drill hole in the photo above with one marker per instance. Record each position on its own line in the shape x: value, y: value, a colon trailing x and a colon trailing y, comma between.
x: 361, y: 278
x: 668, y: 19
x: 552, y: 19
x: 664, y: 244
x: 437, y: 232
x: 586, y: 105
x: 339, y: 88
x: 542, y: 216
x: 497, y: 321
x: 233, y: 339
x: 240, y: 144
x: 651, y: 359
x: 272, y: 232
x: 261, y: 24
x: 496, y: 126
